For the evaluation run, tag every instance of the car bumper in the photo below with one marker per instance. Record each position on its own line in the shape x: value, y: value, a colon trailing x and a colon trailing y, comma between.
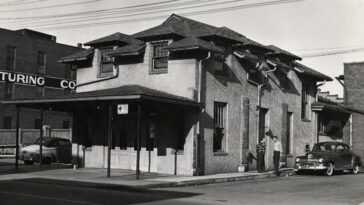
x: 311, y: 167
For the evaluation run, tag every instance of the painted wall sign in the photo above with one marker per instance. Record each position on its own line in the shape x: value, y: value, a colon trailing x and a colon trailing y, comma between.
x: 29, y: 79
x: 122, y: 109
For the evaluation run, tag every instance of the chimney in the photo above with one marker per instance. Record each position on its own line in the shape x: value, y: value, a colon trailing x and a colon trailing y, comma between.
x: 79, y: 45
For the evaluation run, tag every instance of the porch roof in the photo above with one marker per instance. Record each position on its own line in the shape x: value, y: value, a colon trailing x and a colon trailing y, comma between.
x: 334, y: 107
x: 126, y: 92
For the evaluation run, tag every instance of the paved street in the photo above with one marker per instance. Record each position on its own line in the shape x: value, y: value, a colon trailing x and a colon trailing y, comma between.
x: 310, y: 189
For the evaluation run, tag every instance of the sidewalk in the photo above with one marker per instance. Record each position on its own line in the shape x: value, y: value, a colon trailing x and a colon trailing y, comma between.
x: 125, y: 179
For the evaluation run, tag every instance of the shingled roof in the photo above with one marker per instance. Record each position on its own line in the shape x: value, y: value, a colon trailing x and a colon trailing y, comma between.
x: 279, y: 51
x: 128, y: 92
x: 113, y: 38
x: 79, y: 56
x: 304, y: 70
x: 184, y: 27
x: 193, y: 43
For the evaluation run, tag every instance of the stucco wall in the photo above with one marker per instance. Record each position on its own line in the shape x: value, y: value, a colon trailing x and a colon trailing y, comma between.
x: 179, y: 80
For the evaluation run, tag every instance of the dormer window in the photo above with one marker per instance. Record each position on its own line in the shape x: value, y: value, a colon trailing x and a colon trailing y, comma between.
x: 159, y: 57
x: 106, y: 65
x: 220, y: 67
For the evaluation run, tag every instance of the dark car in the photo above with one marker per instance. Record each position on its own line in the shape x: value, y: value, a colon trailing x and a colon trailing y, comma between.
x: 54, y: 149
x: 329, y: 157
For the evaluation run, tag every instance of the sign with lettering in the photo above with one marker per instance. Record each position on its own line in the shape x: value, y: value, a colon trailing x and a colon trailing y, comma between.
x: 123, y: 109
x: 30, y: 79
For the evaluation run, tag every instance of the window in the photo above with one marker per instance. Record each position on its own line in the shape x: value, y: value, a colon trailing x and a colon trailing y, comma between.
x: 160, y: 57
x: 9, y: 90
x: 69, y: 72
x: 305, y: 103
x: 106, y: 66
x: 219, y: 127
x: 10, y: 57
x: 7, y: 122
x: 37, y: 124
x: 41, y: 62
x: 220, y: 67
x: 66, y: 124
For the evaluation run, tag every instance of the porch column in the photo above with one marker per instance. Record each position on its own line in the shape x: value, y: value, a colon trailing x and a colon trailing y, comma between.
x: 109, y: 138
x: 17, y: 139
x: 138, y: 142
x: 41, y: 140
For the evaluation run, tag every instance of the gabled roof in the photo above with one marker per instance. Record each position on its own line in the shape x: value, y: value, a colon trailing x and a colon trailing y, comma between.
x: 304, y: 70
x: 192, y: 43
x: 126, y: 92
x: 279, y: 51
x: 79, y: 56
x: 113, y: 38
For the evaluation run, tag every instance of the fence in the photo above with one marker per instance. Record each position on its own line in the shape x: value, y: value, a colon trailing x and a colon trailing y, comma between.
x: 27, y: 136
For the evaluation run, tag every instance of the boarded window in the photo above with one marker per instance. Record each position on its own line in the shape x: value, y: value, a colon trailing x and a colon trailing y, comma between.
x: 7, y: 122
x: 41, y: 62
x: 10, y: 57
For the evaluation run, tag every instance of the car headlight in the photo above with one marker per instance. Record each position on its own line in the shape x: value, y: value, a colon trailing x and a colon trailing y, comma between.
x: 320, y: 160
x: 298, y: 160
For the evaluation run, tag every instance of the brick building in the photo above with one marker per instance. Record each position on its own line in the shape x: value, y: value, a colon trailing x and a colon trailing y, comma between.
x: 27, y: 56
x: 187, y: 98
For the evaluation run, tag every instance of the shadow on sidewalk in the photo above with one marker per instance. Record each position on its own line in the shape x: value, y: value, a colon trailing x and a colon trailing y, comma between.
x: 7, y: 166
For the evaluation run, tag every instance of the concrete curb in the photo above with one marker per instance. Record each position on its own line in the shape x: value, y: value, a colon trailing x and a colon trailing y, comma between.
x: 151, y: 184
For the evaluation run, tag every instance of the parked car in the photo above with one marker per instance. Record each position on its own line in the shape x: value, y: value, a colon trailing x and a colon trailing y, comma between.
x: 329, y: 157
x: 54, y: 149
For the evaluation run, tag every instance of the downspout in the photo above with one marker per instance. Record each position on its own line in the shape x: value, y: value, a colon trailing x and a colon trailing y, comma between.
x: 198, y: 137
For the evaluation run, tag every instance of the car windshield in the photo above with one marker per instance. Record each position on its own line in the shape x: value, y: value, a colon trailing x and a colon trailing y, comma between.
x: 324, y: 148
x: 45, y: 142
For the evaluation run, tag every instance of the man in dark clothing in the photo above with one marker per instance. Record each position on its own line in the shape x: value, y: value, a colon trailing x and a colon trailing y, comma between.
x: 260, y: 155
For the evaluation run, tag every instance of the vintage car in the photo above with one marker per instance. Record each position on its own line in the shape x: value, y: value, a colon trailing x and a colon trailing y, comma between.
x: 329, y: 157
x: 54, y: 149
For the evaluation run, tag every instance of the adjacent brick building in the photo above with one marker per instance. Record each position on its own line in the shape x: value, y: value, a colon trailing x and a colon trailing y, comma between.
x: 33, y: 53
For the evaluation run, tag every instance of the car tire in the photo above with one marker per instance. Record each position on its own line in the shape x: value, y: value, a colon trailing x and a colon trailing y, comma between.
x: 355, y: 169
x: 330, y: 170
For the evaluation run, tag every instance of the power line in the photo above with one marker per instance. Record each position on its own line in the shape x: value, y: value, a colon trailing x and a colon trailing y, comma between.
x: 268, y: 3
x: 313, y: 55
x: 100, y: 13
x: 53, y: 6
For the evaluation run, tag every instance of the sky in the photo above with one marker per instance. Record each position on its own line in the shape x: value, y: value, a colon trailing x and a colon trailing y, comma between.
x: 312, y: 29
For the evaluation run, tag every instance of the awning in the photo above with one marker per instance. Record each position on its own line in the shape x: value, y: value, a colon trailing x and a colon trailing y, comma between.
x: 333, y: 107
x: 126, y: 92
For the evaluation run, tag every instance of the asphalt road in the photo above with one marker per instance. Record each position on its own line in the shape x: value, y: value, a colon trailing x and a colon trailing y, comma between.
x: 310, y: 189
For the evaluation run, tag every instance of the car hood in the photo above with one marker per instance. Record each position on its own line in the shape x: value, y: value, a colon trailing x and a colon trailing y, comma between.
x: 315, y: 155
x: 31, y: 148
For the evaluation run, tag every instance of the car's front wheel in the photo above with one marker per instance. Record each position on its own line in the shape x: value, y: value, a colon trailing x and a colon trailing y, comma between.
x: 355, y: 169
x: 329, y: 170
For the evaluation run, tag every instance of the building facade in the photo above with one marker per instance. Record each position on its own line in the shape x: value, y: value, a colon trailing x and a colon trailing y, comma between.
x: 28, y: 57
x: 198, y: 98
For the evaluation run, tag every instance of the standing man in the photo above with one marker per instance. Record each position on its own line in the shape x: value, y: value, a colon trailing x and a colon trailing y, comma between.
x: 276, y: 154
x: 276, y: 151
x: 261, y: 154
